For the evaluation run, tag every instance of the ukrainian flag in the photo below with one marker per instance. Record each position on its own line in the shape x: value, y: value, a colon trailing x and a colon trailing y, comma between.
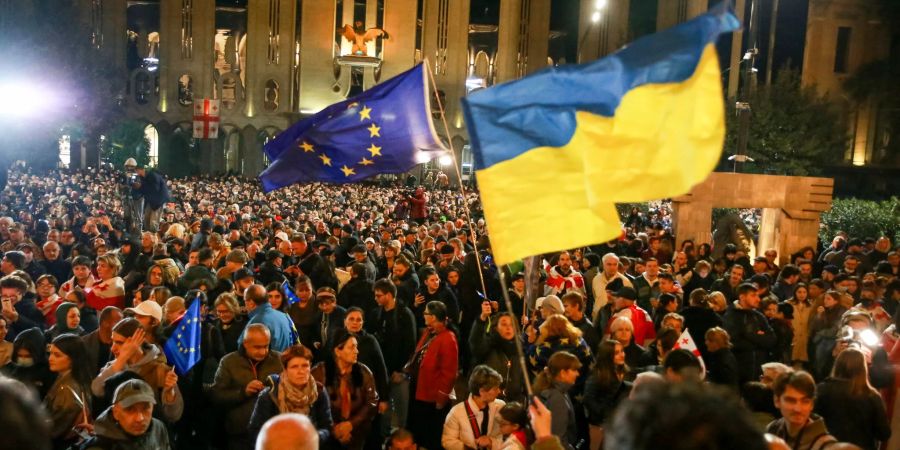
x: 556, y: 150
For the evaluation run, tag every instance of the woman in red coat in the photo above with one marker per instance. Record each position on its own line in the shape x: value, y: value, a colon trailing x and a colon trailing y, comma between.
x: 432, y: 371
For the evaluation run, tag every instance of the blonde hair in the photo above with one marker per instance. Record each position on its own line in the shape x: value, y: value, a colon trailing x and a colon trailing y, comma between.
x: 558, y: 325
x: 112, y: 261
x: 175, y: 230
x: 717, y: 299
x: 620, y: 322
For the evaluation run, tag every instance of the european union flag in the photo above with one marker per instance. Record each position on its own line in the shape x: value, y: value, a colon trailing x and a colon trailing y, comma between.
x: 386, y: 129
x: 183, y: 347
x: 289, y: 294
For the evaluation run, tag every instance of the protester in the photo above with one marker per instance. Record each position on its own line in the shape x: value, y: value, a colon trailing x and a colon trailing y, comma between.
x: 432, y: 372
x: 475, y: 422
x: 605, y: 388
x: 294, y: 390
x: 69, y: 400
x: 552, y: 386
x: 129, y: 422
x: 795, y: 396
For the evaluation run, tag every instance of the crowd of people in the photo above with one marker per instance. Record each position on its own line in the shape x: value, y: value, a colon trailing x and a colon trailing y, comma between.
x: 372, y: 316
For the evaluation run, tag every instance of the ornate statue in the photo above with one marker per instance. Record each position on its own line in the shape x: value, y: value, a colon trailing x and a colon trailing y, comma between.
x: 730, y: 229
x: 358, y: 35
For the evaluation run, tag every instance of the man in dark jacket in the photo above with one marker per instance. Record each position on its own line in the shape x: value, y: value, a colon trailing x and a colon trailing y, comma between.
x: 152, y: 187
x: 99, y: 342
x: 129, y: 423
x: 394, y: 327
x: 795, y: 394
x: 239, y: 379
x: 751, y: 334
x: 19, y: 310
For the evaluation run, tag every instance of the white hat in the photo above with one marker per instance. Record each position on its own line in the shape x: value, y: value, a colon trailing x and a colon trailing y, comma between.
x: 147, y: 308
x: 282, y: 235
x: 130, y: 162
x: 551, y: 302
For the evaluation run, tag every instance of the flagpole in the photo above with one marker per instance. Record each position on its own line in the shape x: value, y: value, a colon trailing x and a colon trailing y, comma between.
x: 462, y: 188
x: 503, y: 287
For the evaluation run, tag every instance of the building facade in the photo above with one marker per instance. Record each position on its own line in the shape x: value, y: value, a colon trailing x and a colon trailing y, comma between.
x: 273, y: 62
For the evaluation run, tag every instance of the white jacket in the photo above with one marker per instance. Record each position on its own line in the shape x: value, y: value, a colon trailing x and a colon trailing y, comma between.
x: 458, y: 432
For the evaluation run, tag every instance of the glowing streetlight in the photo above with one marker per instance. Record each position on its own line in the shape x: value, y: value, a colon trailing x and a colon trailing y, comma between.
x: 445, y: 160
x: 600, y: 4
x: 595, y: 17
x: 24, y: 99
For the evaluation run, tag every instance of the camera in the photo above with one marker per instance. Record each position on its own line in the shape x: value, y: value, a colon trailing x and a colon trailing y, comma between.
x: 858, y: 338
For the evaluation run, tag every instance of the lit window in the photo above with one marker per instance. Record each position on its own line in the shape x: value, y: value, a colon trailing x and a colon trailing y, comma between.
x: 65, y: 151
x: 152, y: 137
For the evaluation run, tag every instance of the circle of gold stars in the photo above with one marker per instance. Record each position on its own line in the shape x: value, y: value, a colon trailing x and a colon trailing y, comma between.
x: 365, y: 113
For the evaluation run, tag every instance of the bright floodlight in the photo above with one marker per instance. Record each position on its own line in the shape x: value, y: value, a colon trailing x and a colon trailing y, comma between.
x: 600, y: 4
x: 22, y: 99
x: 445, y: 160
x: 595, y: 17
x: 423, y: 157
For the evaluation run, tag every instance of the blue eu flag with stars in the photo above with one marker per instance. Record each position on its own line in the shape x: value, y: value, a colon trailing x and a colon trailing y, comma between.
x: 289, y: 294
x: 183, y: 347
x: 386, y: 129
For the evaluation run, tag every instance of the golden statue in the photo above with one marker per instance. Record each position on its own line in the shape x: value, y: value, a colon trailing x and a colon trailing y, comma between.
x: 358, y: 35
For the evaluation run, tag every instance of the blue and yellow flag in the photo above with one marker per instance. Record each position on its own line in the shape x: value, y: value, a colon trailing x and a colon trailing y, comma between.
x: 386, y: 129
x: 183, y: 347
x: 556, y: 150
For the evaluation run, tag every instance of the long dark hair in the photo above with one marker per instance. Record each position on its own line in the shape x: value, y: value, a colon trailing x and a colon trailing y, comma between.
x: 73, y: 347
x: 605, y: 370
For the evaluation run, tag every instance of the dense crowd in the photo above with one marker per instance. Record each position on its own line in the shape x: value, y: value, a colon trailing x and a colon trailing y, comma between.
x: 372, y: 316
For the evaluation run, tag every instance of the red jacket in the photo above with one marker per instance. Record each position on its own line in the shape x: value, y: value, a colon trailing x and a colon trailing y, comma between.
x: 417, y: 206
x: 437, y: 372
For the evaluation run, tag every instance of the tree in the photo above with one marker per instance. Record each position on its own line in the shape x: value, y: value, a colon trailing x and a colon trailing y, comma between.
x: 126, y: 140
x: 862, y: 218
x: 793, y: 130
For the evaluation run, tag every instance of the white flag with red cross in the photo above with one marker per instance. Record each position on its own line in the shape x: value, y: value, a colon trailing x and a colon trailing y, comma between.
x: 686, y: 342
x: 206, y: 119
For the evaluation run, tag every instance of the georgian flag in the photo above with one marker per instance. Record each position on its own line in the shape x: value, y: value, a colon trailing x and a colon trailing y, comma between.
x: 687, y: 342
x: 206, y: 119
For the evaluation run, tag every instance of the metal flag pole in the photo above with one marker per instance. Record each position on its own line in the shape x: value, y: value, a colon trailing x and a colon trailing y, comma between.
x: 503, y: 286
x: 462, y: 188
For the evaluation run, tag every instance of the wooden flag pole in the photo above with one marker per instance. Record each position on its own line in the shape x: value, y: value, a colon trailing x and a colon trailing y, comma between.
x: 462, y: 188
x: 503, y: 286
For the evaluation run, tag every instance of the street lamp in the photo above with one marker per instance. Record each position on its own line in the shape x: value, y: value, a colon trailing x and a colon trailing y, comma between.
x: 596, y: 15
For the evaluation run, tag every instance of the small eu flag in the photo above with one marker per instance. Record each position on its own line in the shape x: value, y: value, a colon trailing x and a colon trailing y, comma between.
x: 183, y: 347
x: 289, y: 294
x: 386, y: 129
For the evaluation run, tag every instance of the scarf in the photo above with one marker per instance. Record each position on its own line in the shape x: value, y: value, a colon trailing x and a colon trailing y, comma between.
x: 296, y: 399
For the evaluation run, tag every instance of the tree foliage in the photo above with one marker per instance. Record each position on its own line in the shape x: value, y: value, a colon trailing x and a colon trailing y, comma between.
x: 126, y: 140
x: 793, y: 130
x: 862, y: 218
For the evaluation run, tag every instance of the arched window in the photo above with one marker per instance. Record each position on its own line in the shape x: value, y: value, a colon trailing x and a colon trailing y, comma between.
x: 152, y: 137
x: 65, y: 151
x: 232, y: 152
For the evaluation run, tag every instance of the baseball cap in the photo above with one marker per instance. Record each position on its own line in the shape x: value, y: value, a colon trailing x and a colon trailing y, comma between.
x: 130, y: 162
x: 368, y: 240
x: 133, y: 391
x: 627, y: 292
x: 282, y: 235
x: 148, y: 308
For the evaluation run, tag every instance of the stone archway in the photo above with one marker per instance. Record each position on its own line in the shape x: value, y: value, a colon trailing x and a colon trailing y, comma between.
x: 792, y: 205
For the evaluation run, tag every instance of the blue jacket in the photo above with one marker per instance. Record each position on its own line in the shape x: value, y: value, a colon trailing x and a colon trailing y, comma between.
x: 278, y: 323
